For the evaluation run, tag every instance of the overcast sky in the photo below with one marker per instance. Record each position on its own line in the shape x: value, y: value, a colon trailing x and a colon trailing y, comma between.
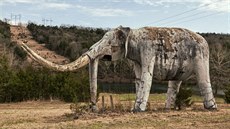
x: 196, y: 15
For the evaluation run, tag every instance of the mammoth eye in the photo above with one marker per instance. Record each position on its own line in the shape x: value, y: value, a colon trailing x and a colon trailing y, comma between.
x: 109, y: 42
x: 115, y: 48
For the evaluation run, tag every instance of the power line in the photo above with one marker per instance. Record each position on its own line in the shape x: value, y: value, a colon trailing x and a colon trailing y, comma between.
x: 179, y: 14
x: 182, y: 18
x: 198, y: 18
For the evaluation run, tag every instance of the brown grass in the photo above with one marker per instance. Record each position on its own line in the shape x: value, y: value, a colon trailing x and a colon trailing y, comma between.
x: 58, y: 115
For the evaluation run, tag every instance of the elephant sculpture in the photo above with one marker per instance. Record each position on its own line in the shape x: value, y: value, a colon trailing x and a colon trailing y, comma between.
x: 171, y: 54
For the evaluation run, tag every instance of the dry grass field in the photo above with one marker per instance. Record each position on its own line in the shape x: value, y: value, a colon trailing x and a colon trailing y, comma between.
x: 57, y: 115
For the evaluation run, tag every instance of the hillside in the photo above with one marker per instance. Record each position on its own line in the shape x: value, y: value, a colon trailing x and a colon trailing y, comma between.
x: 69, y: 41
x: 22, y: 34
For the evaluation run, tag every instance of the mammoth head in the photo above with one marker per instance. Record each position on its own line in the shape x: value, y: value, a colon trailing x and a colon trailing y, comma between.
x: 111, y: 46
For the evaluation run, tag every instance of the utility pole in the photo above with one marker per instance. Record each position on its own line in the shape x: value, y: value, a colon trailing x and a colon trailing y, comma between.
x: 19, y: 16
x: 44, y: 21
x: 11, y: 17
x: 16, y: 18
x: 47, y: 21
x: 51, y: 22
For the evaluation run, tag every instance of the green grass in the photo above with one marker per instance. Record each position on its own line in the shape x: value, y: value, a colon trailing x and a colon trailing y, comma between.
x: 197, y: 98
x: 158, y: 97
x: 152, y: 97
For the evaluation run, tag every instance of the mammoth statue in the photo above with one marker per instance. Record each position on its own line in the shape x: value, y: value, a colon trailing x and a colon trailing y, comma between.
x: 172, y: 54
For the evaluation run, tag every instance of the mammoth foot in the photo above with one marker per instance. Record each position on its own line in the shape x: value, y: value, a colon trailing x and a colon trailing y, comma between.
x: 94, y: 108
x: 211, y: 108
x: 137, y: 110
x: 168, y: 109
x: 210, y: 105
x: 139, y: 107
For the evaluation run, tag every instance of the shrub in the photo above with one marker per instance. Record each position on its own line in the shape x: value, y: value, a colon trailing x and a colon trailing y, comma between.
x: 19, y: 52
x: 75, y: 87
x: 4, y: 29
x: 183, y: 98
x: 227, y: 94
x: 33, y: 84
x: 5, y: 75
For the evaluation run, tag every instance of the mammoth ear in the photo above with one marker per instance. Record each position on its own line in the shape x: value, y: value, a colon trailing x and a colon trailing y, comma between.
x: 125, y: 30
x: 120, y: 35
x: 122, y: 32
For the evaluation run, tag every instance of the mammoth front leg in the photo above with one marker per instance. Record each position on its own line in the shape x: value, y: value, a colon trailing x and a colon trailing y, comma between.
x: 144, y: 88
x: 93, y: 67
x: 173, y: 89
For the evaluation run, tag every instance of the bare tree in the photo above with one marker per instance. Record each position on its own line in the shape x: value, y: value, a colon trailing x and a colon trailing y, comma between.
x: 219, y: 66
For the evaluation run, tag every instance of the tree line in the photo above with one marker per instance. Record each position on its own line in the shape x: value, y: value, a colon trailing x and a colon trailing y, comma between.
x: 20, y: 82
x: 31, y: 83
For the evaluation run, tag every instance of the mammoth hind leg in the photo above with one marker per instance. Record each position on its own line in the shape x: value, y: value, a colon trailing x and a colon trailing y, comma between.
x: 173, y: 89
x: 203, y: 80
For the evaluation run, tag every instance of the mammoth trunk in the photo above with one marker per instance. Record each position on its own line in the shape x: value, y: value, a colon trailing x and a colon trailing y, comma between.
x: 80, y: 62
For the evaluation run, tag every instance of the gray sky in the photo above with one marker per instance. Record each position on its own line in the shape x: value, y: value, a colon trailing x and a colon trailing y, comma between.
x: 196, y: 15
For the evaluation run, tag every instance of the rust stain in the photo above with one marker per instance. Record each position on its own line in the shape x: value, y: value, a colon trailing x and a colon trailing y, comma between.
x: 189, y: 34
x: 169, y: 47
x: 197, y: 37
x: 152, y: 32
x: 171, y: 36
x: 165, y: 35
x: 162, y: 34
x: 177, y: 30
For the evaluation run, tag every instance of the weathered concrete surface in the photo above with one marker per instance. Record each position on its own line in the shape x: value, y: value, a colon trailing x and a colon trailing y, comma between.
x: 93, y: 67
x: 80, y: 62
x: 173, y: 89
x: 172, y: 54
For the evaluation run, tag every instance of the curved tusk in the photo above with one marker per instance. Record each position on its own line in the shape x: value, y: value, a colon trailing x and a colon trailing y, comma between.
x: 80, y: 62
